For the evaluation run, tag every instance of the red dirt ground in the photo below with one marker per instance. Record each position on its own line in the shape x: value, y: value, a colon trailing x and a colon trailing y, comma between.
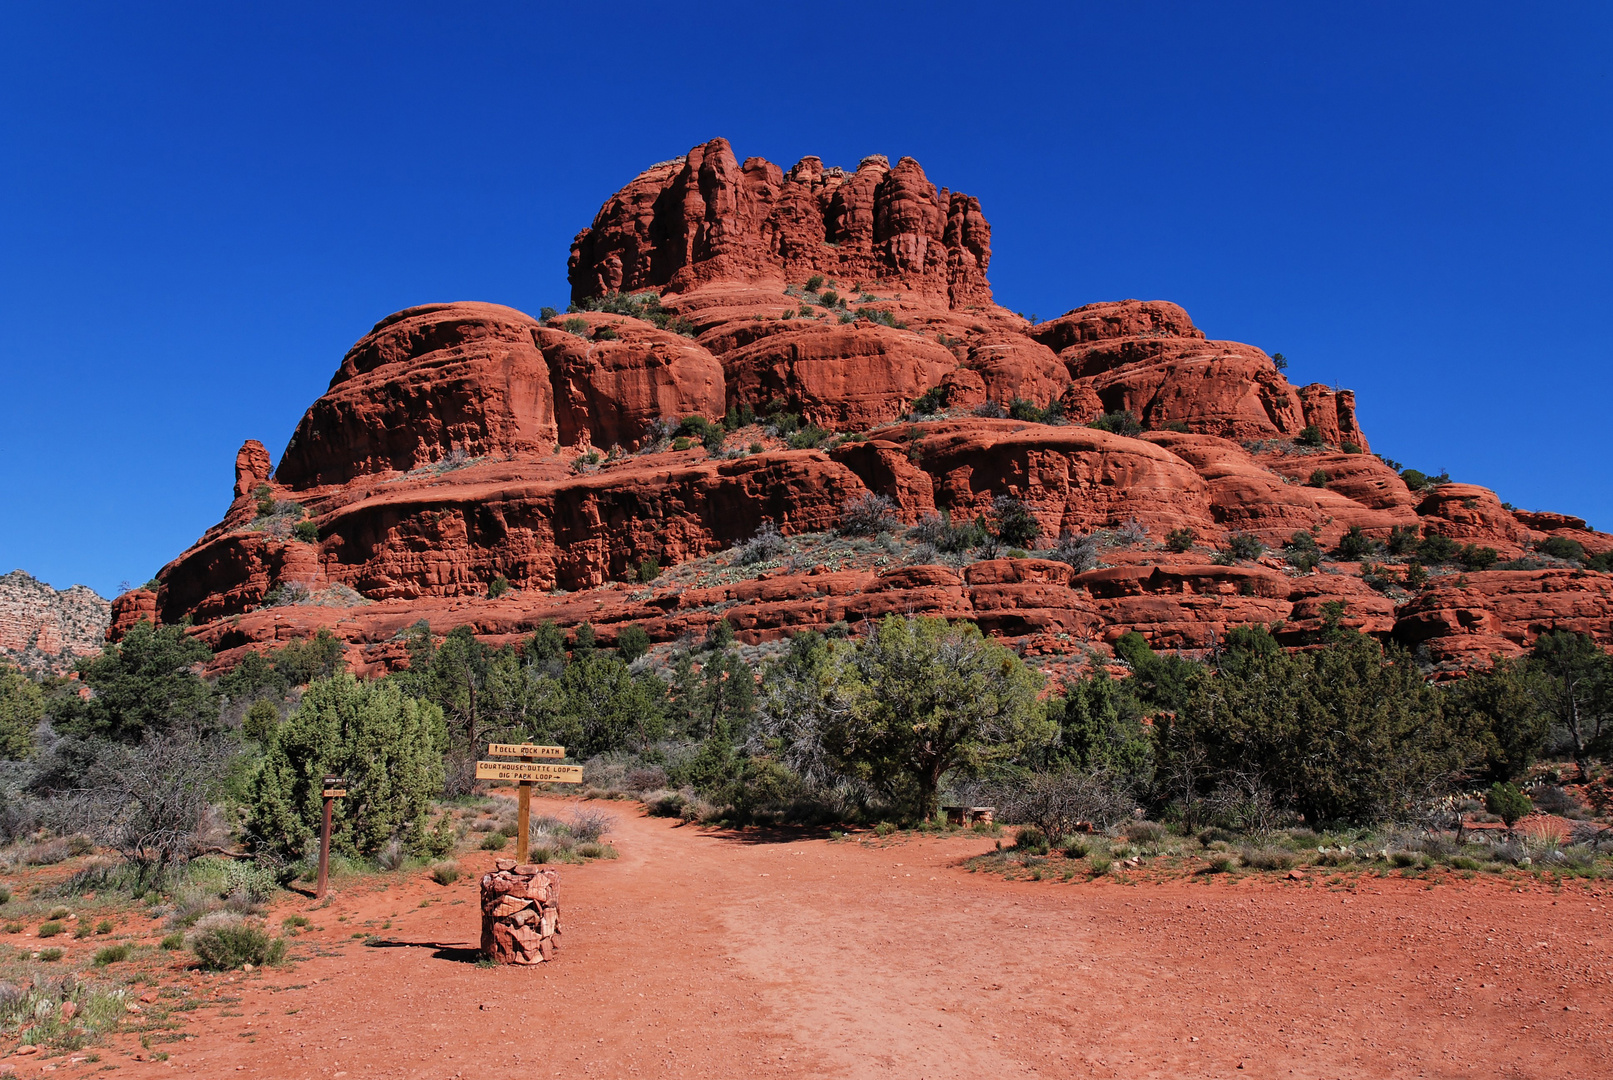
x: 708, y: 954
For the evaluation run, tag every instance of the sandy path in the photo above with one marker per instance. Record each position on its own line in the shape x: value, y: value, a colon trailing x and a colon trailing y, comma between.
x: 699, y: 954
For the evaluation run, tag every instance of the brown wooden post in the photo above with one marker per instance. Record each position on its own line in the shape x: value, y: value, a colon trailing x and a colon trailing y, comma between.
x: 523, y: 814
x: 333, y: 788
x: 324, y: 852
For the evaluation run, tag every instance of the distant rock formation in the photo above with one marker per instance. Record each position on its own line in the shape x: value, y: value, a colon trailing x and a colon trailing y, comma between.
x: 42, y: 628
x: 460, y: 443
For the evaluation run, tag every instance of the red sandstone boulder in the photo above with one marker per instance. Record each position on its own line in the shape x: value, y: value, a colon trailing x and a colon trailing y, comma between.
x: 1116, y: 320
x: 613, y: 380
x: 1470, y: 513
x: 253, y: 467
x: 425, y: 384
x: 1332, y: 412
x: 1012, y: 367
x: 845, y: 378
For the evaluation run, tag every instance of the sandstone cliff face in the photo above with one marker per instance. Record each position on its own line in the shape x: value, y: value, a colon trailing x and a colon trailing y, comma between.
x: 463, y: 442
x: 48, y: 629
x: 707, y: 217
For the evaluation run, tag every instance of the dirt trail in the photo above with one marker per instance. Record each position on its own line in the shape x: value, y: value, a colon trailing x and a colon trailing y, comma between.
x: 700, y: 954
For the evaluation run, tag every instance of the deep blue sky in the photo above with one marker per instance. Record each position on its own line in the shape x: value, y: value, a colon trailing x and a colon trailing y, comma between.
x: 202, y: 207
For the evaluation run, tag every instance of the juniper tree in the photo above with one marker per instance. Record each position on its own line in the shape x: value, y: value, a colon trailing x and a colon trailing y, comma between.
x: 388, y: 746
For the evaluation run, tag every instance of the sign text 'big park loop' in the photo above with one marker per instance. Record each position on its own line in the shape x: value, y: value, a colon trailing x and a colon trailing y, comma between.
x: 526, y: 773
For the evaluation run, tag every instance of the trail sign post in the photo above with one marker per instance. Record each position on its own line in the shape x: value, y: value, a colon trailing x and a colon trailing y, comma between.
x: 334, y: 788
x: 525, y: 773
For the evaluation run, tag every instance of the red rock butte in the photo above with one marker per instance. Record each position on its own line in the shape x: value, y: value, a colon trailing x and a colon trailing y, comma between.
x: 457, y: 445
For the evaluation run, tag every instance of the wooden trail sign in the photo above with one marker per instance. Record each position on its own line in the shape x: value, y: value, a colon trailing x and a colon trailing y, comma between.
x: 525, y: 773
x: 524, y: 750
x: 530, y: 772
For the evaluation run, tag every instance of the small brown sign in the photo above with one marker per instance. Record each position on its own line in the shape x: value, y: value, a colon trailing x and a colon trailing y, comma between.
x: 531, y: 771
x: 529, y: 750
x: 335, y: 793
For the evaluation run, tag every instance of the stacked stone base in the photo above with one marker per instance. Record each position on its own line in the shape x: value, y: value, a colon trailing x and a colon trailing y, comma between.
x: 520, y: 913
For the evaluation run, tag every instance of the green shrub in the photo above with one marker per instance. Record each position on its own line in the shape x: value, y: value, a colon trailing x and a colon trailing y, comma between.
x: 82, y: 930
x: 1506, y: 802
x: 709, y: 433
x: 1014, y: 522
x: 632, y: 643
x: 644, y: 305
x: 808, y: 437
x: 606, y: 333
x: 5, y: 896
x: 494, y: 842
x: 224, y: 941
x: 1279, y: 361
x: 738, y: 417
x: 648, y: 570
x: 868, y: 515
x: 1354, y: 544
x: 880, y: 317
x: 1314, y: 725
x: 1075, y: 847
x: 50, y: 929
x: 174, y: 941
x: 1562, y: 547
x: 1123, y: 422
x: 1179, y: 540
x: 294, y: 922
x: 1302, y: 551
x: 814, y: 283
x: 1020, y: 409
x: 50, y: 956
x: 1416, y: 576
x: 575, y: 326
x: 1310, y: 435
x: 1244, y: 546
x: 829, y: 298
x: 884, y: 828
x: 1436, y: 549
x: 1099, y: 865
x: 1221, y: 862
x: 1318, y: 479
x: 445, y: 873
x: 1145, y: 832
x: 104, y: 926
x: 757, y: 448
x: 1351, y: 448
x: 1403, y: 539
x: 932, y: 400
x: 1268, y: 858
x: 112, y: 954
x: 1473, y: 557
x: 1031, y: 841
x: 306, y: 531
x: 498, y: 587
x: 261, y: 721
